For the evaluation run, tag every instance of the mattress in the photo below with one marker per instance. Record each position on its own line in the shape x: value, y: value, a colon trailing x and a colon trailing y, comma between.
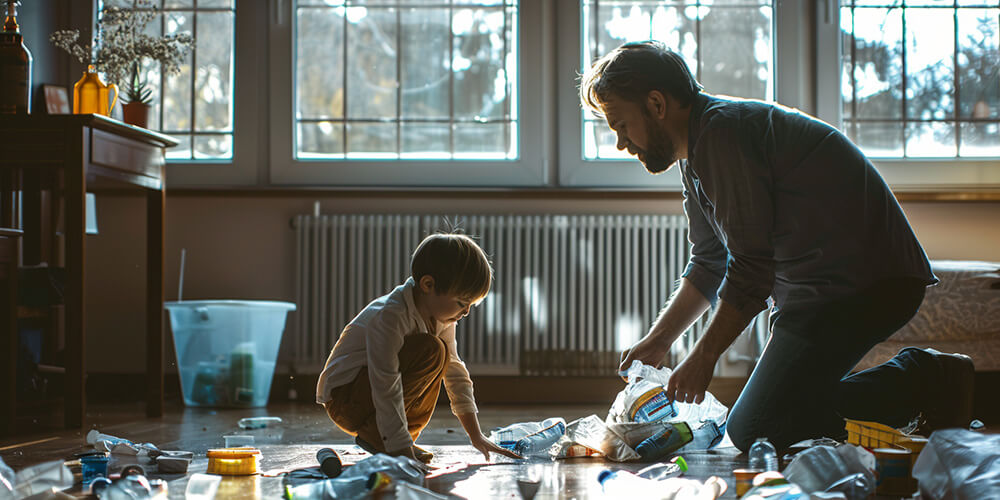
x: 959, y: 314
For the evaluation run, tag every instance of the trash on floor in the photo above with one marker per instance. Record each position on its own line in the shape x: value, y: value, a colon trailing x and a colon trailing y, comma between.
x: 258, y: 422
x: 847, y: 467
x: 957, y: 463
x: 398, y: 468
x: 359, y: 486
x: 46, y: 480
x: 233, y: 461
x: 530, y: 439
x: 202, y: 486
x: 623, y: 484
x: 237, y: 441
x: 117, y: 445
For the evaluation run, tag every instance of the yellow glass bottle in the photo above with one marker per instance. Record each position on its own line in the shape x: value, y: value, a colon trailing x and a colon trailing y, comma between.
x: 90, y: 94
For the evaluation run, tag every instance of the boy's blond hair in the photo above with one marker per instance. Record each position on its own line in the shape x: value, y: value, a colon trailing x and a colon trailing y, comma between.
x: 457, y: 264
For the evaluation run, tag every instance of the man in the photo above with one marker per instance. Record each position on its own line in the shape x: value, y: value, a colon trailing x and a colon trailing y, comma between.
x: 780, y: 205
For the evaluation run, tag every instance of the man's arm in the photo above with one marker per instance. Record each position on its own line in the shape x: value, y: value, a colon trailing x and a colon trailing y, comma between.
x: 690, y: 379
x: 683, y: 309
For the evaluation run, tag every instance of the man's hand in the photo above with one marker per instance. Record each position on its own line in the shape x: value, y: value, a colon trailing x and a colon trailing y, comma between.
x: 650, y: 350
x: 690, y: 379
x: 485, y: 446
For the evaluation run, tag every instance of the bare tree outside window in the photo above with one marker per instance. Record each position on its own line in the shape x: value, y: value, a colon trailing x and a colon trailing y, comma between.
x: 728, y: 44
x: 405, y: 79
x: 920, y: 78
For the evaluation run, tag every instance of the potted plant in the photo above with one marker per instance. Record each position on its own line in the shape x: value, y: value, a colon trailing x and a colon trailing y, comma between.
x: 138, y: 97
x: 121, y: 46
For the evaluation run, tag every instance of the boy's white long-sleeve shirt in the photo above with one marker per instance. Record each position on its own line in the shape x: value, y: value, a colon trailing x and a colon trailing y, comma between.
x: 373, y: 339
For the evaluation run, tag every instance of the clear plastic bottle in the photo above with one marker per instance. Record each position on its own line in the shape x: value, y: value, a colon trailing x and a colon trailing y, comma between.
x: 538, y: 443
x: 258, y: 422
x: 763, y: 456
x: 661, y: 471
x: 664, y: 442
x: 624, y: 484
x: 339, y: 488
x: 398, y: 468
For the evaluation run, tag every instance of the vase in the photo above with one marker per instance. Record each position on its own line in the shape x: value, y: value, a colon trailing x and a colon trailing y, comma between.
x: 136, y: 113
x: 90, y: 94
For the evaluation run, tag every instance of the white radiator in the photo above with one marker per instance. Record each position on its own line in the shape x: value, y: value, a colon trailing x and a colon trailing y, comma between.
x: 570, y: 291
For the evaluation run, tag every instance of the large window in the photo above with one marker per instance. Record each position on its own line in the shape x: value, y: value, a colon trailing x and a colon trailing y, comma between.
x: 727, y: 45
x: 921, y: 78
x: 194, y: 106
x: 410, y: 79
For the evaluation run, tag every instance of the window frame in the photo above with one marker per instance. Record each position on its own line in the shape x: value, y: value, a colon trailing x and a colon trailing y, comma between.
x: 528, y: 169
x: 242, y: 168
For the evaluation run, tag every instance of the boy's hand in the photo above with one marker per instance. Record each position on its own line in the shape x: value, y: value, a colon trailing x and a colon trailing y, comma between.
x: 485, y: 446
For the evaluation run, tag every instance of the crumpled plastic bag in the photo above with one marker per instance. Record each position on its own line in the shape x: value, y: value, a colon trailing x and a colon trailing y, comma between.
x: 641, y: 378
x: 46, y: 479
x: 593, y: 433
x: 120, y: 446
x: 819, y: 467
x: 959, y: 464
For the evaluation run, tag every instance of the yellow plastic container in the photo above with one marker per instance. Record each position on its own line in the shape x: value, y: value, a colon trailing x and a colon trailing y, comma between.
x: 233, y: 461
x: 873, y: 435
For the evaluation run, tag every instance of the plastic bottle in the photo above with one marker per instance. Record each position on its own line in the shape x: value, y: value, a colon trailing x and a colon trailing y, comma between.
x: 705, y: 437
x: 624, y: 484
x: 258, y: 422
x: 658, y: 472
x: 134, y: 487
x: 397, y: 468
x: 649, y: 402
x: 338, y: 488
x: 763, y: 456
x: 202, y: 486
x: 857, y: 486
x: 329, y: 462
x: 538, y: 443
x: 664, y: 442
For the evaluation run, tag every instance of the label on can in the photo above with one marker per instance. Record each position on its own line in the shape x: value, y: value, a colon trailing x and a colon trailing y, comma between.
x: 892, y: 466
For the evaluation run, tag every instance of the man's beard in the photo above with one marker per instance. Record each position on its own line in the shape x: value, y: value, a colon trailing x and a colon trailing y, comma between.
x: 661, y: 153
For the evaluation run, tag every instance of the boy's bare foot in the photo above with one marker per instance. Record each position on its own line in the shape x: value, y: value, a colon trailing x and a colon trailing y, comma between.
x: 422, y: 454
x: 419, y: 453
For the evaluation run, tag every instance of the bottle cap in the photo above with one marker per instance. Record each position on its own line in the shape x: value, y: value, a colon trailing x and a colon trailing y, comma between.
x: 604, y: 475
x: 679, y: 460
x: 377, y: 480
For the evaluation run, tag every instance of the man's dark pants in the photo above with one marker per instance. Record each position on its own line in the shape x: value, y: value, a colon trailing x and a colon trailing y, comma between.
x: 802, y: 387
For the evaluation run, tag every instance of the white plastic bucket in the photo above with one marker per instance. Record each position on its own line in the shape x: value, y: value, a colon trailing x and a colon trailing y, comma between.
x: 227, y: 349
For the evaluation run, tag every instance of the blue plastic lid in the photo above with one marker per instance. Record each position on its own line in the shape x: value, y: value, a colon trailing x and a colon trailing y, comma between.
x: 604, y: 475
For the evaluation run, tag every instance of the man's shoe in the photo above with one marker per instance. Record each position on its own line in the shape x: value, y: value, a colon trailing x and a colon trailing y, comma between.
x: 949, y: 402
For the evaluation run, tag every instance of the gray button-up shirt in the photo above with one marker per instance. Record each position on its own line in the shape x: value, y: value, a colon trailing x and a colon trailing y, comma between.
x: 781, y: 204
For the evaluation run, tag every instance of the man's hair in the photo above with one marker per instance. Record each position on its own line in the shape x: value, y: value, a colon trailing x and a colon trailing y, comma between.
x: 457, y: 264
x: 632, y: 70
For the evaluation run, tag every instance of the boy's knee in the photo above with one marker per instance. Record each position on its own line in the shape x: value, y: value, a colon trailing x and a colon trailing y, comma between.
x: 740, y: 433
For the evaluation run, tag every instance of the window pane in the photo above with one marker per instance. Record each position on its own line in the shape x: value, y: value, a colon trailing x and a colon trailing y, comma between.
x: 930, y: 66
x: 880, y: 139
x: 980, y: 139
x: 979, y: 63
x: 213, y: 83
x: 736, y: 51
x: 930, y: 140
x: 877, y: 57
x: 182, y: 151
x: 321, y: 140
x: 426, y: 65
x: 726, y: 44
x: 846, y: 48
x: 213, y: 146
x: 481, y: 81
x: 426, y: 140
x: 422, y: 78
x: 319, y: 68
x: 371, y: 140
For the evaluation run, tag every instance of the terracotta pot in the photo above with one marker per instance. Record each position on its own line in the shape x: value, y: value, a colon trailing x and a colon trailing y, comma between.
x: 136, y: 113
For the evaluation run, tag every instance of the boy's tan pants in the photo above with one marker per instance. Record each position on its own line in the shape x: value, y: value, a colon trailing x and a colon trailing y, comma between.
x: 422, y: 361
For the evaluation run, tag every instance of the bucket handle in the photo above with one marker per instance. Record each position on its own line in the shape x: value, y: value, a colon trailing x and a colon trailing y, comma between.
x: 202, y: 313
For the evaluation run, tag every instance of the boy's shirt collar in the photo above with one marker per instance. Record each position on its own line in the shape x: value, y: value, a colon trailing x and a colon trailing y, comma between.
x: 411, y: 307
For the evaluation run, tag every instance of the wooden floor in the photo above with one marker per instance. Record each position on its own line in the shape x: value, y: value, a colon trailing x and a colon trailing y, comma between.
x: 306, y: 428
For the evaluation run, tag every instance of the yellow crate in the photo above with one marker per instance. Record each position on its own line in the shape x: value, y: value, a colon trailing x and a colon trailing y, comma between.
x: 233, y: 461
x: 873, y: 435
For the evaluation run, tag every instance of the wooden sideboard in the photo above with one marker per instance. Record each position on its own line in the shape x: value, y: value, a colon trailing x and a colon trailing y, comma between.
x: 66, y: 156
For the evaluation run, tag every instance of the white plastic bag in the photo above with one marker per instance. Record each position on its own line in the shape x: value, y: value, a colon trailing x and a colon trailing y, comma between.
x: 959, y: 464
x: 639, y: 377
x: 593, y: 433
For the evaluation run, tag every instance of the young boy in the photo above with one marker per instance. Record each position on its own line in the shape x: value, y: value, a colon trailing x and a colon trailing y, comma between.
x: 382, y: 379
